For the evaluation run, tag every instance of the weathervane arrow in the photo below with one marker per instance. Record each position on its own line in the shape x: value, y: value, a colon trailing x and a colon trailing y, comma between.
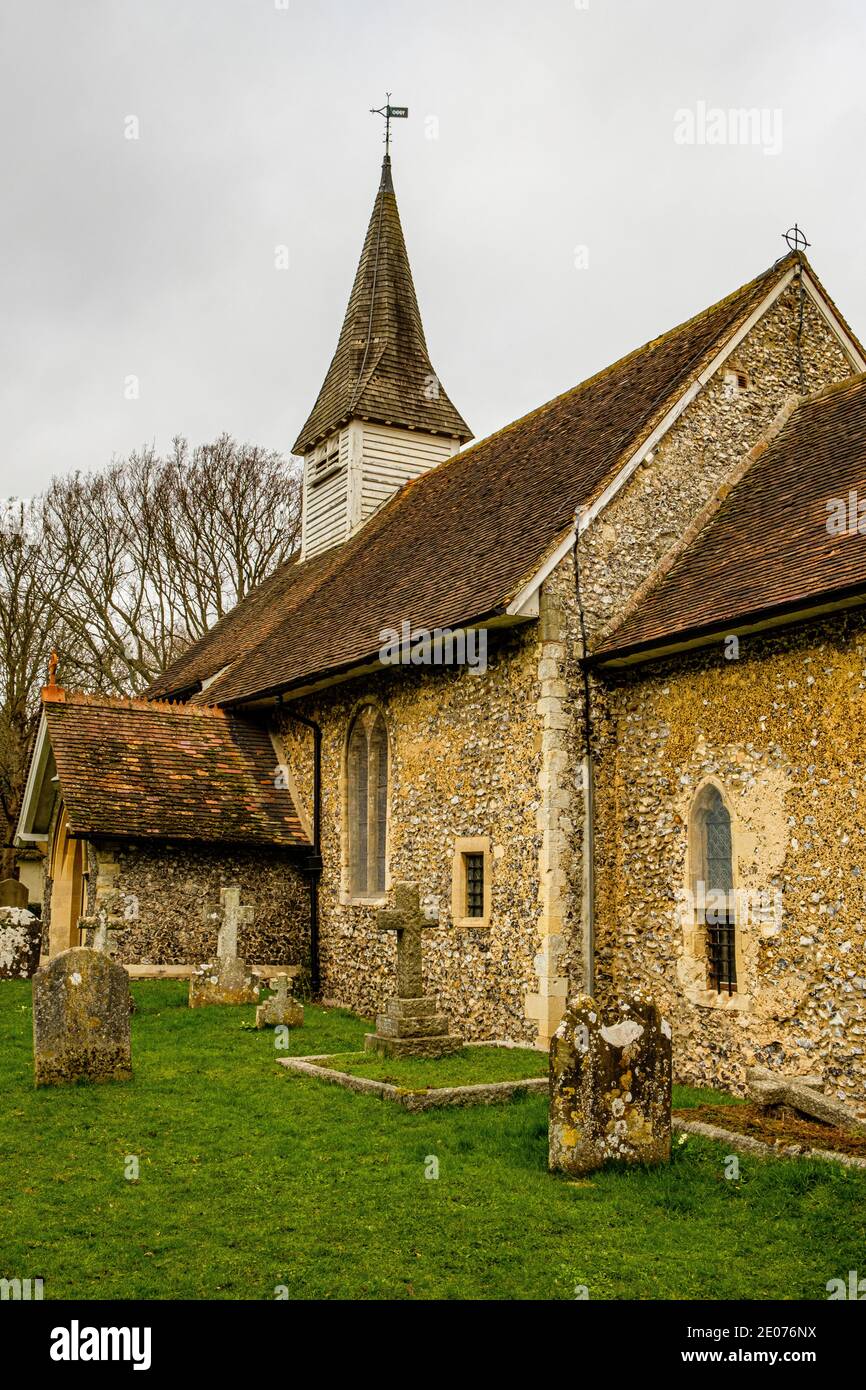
x: 390, y: 113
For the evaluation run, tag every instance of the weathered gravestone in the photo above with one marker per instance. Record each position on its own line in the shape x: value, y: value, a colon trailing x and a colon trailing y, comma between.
x: 798, y: 1097
x: 280, y: 1010
x: 228, y: 979
x: 409, y: 1024
x: 610, y: 1085
x: 81, y: 1019
x: 20, y: 943
x: 13, y: 893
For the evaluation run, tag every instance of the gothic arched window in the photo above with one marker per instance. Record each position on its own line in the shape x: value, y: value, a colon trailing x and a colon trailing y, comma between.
x: 367, y: 802
x: 714, y: 887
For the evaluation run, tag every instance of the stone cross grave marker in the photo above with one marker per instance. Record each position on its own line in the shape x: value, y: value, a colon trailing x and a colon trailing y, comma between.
x: 281, y: 1010
x: 802, y: 1095
x: 409, y: 1025
x: 233, y: 915
x: 100, y: 933
x: 228, y: 979
x: 408, y: 921
x: 13, y: 893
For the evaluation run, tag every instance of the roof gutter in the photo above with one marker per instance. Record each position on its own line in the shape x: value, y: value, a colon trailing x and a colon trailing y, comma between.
x: 763, y: 621
x: 362, y: 666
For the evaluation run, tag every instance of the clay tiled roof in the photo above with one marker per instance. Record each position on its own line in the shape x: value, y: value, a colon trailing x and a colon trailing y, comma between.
x: 132, y: 768
x: 456, y: 544
x: 764, y: 548
x: 244, y: 628
x: 381, y: 369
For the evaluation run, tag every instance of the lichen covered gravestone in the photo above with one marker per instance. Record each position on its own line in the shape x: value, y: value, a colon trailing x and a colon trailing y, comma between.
x: 81, y: 1019
x: 20, y: 943
x: 410, y: 1024
x: 610, y: 1085
x: 228, y: 979
x: 280, y: 1010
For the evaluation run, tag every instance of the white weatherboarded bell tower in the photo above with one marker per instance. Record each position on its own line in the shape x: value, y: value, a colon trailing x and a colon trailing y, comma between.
x: 382, y: 416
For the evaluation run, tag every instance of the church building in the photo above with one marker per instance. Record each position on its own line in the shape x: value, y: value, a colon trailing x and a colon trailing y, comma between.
x: 595, y: 684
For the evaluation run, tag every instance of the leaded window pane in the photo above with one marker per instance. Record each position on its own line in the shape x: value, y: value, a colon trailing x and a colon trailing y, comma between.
x: 368, y: 803
x: 474, y: 885
x: 719, y: 880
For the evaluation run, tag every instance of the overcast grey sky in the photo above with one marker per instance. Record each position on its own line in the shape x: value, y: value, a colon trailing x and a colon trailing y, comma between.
x: 536, y: 127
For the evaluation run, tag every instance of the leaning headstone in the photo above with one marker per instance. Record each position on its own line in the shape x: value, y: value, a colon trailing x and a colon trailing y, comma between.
x: 280, y: 1010
x: 81, y: 1019
x: 800, y: 1096
x: 410, y: 1024
x: 610, y: 1085
x: 13, y: 893
x: 20, y: 943
x: 228, y: 979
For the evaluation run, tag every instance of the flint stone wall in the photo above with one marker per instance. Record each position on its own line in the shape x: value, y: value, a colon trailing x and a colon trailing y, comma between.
x: 782, y: 731
x: 463, y: 761
x: 498, y: 755
x: 161, y: 893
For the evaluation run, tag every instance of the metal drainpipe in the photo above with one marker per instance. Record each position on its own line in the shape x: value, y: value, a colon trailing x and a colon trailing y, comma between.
x: 588, y: 908
x: 314, y: 864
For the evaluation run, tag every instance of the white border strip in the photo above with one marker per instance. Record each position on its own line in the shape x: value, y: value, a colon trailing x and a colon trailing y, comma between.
x: 847, y: 342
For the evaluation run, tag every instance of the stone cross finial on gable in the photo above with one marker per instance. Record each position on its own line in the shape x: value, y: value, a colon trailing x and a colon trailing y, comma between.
x: 408, y: 921
x: 232, y: 915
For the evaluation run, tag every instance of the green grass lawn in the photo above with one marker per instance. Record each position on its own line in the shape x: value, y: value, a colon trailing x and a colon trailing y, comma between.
x: 252, y: 1177
x: 469, y: 1067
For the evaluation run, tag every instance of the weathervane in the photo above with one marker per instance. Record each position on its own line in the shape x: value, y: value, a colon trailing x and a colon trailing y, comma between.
x: 796, y: 238
x: 391, y: 113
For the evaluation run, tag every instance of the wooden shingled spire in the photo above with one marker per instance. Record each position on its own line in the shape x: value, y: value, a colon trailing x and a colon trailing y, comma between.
x: 381, y: 370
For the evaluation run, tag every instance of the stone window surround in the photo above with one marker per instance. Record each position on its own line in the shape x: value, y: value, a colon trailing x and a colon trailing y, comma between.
x: 463, y: 845
x: 348, y: 896
x: 694, y: 930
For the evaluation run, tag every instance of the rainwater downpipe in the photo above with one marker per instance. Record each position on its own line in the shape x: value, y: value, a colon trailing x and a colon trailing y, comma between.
x: 313, y: 866
x: 587, y: 911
